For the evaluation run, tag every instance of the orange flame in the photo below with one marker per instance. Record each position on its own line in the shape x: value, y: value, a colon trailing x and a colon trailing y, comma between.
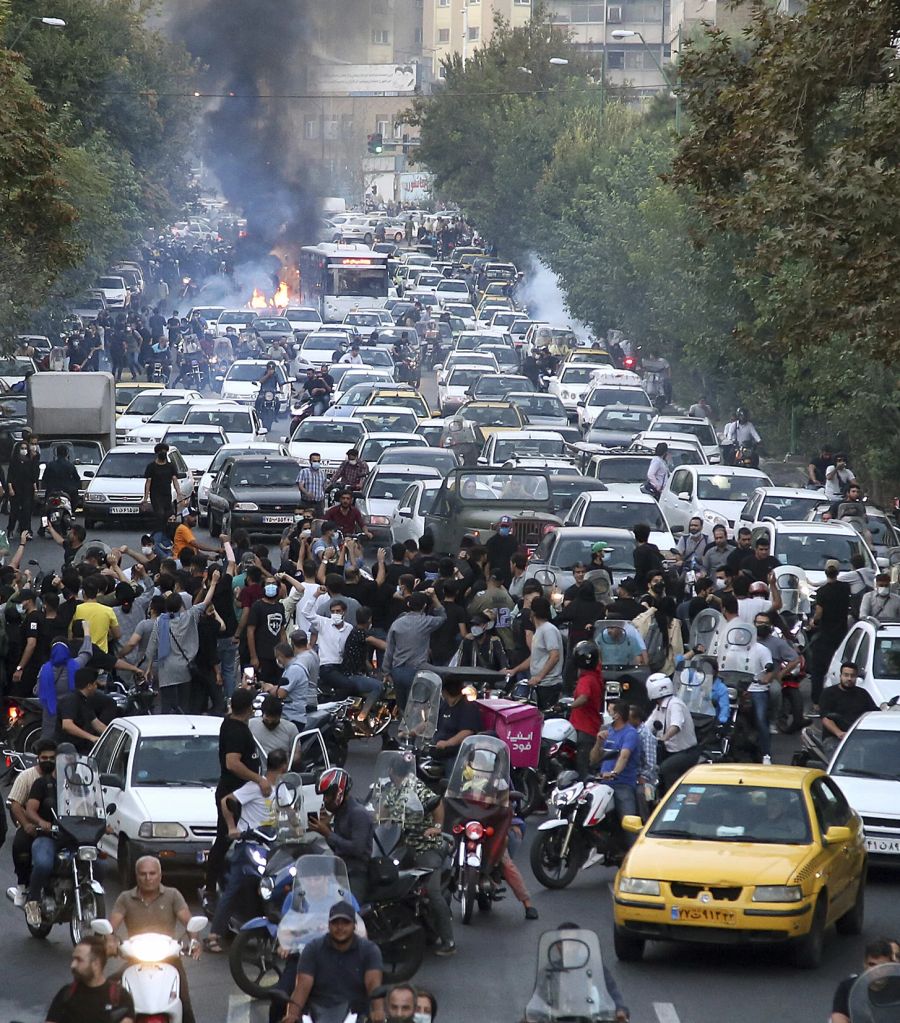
x: 258, y: 301
x: 282, y: 296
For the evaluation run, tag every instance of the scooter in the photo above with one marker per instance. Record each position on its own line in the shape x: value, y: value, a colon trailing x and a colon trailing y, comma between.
x: 150, y: 977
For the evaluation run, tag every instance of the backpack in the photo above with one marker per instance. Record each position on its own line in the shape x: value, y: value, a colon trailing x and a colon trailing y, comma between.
x: 656, y: 651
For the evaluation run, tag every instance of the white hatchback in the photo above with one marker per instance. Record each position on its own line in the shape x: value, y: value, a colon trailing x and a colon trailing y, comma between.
x: 714, y: 493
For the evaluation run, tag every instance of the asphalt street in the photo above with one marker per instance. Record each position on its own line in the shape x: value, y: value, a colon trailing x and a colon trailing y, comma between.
x: 491, y: 977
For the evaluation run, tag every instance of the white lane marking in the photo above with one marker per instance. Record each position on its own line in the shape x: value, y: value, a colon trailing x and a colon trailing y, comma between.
x: 665, y: 1012
x: 239, y: 1008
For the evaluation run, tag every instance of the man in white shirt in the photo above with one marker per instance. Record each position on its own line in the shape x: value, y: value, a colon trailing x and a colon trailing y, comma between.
x: 352, y: 358
x: 763, y: 669
x: 331, y: 639
x: 672, y: 724
x: 658, y: 469
x: 837, y: 478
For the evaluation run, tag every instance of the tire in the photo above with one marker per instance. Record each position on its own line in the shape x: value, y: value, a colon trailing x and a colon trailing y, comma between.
x: 254, y: 963
x: 215, y: 527
x: 790, y: 717
x: 528, y: 783
x: 367, y: 238
x: 39, y: 932
x: 484, y: 902
x: 852, y: 921
x: 93, y: 908
x: 337, y: 754
x: 467, y: 890
x: 400, y: 962
x: 125, y: 863
x: 628, y: 948
x: 807, y: 951
x: 27, y: 737
x: 547, y: 864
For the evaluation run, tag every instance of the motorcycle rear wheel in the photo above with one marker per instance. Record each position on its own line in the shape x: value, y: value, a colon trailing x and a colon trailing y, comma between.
x: 254, y: 962
x: 547, y: 863
x: 93, y: 907
x: 27, y: 737
x: 401, y: 960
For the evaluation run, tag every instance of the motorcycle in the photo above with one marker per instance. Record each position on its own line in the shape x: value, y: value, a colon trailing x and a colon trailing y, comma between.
x: 159, y: 373
x: 267, y: 407
x: 618, y: 663
x: 59, y: 511
x: 193, y: 376
x: 72, y: 894
x: 150, y: 977
x: 301, y: 409
x: 746, y: 455
x: 570, y: 982
x: 875, y: 995
x: 694, y: 687
x: 478, y: 814
x: 582, y: 825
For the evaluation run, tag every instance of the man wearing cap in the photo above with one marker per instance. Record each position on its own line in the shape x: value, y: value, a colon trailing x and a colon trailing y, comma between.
x: 271, y: 731
x: 184, y: 535
x: 598, y: 550
x: 880, y: 603
x: 338, y: 970
x: 501, y: 547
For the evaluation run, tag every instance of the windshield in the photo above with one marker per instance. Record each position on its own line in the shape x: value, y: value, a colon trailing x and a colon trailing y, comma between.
x: 388, y: 422
x: 362, y: 320
x: 528, y: 447
x: 541, y: 405
x: 500, y: 385
x: 491, y: 415
x: 886, y: 661
x: 574, y: 550
x: 189, y: 443
x: 462, y: 309
x: 111, y: 283
x: 12, y: 368
x: 373, y: 447
x: 272, y: 323
x: 464, y: 377
x: 622, y: 420
x: 696, y: 427
x: 302, y: 315
x: 624, y: 514
x: 868, y: 753
x: 125, y: 465
x: 576, y: 375
x: 503, y: 486
x: 618, y: 396
x: 264, y: 474
x: 225, y: 452
x: 332, y: 432
x: 788, y: 507
x: 77, y: 451
x: 323, y: 344
x: 810, y: 551
x: 353, y: 281
x: 881, y: 531
x: 624, y: 470
x: 391, y: 486
x: 253, y: 373
x: 237, y: 319
x: 734, y: 813
x: 231, y: 422
x: 176, y: 760
x: 408, y: 400
x: 728, y: 488
x: 173, y: 412
x: 376, y: 357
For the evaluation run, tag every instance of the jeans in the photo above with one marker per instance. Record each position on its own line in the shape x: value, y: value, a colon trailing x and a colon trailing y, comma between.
x: 228, y: 659
x: 403, y: 676
x: 625, y: 798
x: 361, y: 685
x: 760, y: 702
x: 21, y: 854
x: 43, y: 855
x: 584, y: 743
x: 233, y: 883
x: 431, y: 859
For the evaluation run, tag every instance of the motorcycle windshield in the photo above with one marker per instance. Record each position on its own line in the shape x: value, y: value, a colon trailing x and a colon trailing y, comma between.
x: 80, y: 808
x: 619, y: 647
x: 735, y: 641
x: 695, y: 688
x: 875, y: 997
x: 288, y: 805
x: 319, y: 882
x: 570, y: 983
x: 420, y: 718
x: 793, y: 587
x: 394, y: 793
x: 704, y: 628
x: 480, y: 773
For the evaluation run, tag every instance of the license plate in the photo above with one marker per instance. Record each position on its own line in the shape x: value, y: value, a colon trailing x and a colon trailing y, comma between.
x: 883, y: 845
x: 278, y: 520
x: 125, y: 509
x: 704, y: 915
x: 202, y: 856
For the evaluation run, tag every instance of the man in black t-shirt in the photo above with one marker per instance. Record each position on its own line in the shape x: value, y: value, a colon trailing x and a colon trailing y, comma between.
x: 446, y: 639
x: 76, y: 715
x: 90, y: 998
x: 817, y: 467
x: 160, y: 484
x: 830, y: 620
x: 239, y: 762
x: 842, y: 704
x: 458, y: 718
x: 760, y: 563
x: 878, y: 952
x: 265, y: 630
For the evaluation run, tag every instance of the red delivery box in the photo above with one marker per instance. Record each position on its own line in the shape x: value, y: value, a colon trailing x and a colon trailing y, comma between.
x: 518, y: 725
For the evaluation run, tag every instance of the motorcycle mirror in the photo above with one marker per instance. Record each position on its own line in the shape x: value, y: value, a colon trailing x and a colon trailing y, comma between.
x: 101, y: 926
x: 196, y: 924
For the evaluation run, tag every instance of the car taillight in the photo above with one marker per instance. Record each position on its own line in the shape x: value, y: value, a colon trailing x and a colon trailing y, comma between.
x: 474, y: 831
x: 628, y: 361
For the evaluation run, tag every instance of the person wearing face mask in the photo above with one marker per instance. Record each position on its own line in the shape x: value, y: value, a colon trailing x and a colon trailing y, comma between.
x: 161, y: 485
x: 265, y: 630
x: 500, y: 548
x: 293, y: 685
x: 351, y: 473
x: 785, y: 659
x: 881, y: 603
x: 311, y: 484
x: 21, y: 483
x: 426, y: 1006
x: 332, y: 633
x: 482, y: 648
x: 272, y: 731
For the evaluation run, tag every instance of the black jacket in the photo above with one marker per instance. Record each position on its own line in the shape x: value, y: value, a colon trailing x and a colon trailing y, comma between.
x: 61, y: 474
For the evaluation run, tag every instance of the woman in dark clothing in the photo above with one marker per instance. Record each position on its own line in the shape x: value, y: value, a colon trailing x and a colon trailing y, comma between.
x: 20, y: 484
x: 207, y: 692
x: 580, y: 615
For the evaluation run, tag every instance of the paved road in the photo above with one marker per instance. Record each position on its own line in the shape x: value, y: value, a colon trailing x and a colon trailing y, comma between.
x: 493, y: 971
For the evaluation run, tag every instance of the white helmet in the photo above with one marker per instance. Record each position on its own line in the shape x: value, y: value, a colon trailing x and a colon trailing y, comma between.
x: 658, y: 686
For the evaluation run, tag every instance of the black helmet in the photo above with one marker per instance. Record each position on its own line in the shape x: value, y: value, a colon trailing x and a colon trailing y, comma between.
x: 586, y: 655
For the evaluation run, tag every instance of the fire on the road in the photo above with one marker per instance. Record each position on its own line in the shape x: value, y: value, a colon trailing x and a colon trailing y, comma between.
x: 279, y: 300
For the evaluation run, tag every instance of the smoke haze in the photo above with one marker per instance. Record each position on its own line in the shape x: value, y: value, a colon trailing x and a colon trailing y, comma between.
x: 541, y: 293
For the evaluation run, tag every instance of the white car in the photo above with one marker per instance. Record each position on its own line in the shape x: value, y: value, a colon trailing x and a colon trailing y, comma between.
x: 303, y: 318
x: 647, y: 440
x: 702, y: 429
x: 330, y: 437
x: 714, y: 493
x: 240, y: 319
x: 147, y: 404
x: 173, y: 413
x: 428, y: 281
x: 197, y: 445
x: 115, y: 291
x: 241, y: 383
x: 454, y: 384
x: 221, y: 456
x: 240, y: 425
x: 874, y: 647
x: 455, y: 294
x: 778, y: 503
x: 161, y: 773
x: 364, y: 321
x: 571, y: 384
x: 809, y: 545
x: 408, y: 518
x: 360, y: 375
x: 866, y: 768
x: 375, y: 444
x: 504, y: 445
x: 601, y: 395
x: 319, y: 346
x: 115, y: 492
x: 382, y: 492
x: 15, y: 368
x: 620, y: 507
x: 89, y: 307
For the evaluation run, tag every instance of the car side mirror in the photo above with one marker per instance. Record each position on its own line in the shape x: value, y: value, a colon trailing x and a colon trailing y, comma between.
x: 883, y: 562
x: 112, y: 781
x: 89, y: 474
x: 182, y: 475
x: 684, y: 496
x: 263, y: 430
x: 580, y: 404
x: 632, y: 823
x: 835, y: 835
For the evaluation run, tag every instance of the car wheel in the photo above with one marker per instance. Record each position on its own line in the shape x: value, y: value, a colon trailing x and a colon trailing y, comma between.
x: 367, y: 238
x: 808, y: 949
x: 852, y: 921
x: 628, y: 948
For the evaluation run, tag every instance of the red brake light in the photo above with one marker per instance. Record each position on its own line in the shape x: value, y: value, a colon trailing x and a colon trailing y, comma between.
x: 458, y: 829
x: 474, y: 830
x: 488, y: 831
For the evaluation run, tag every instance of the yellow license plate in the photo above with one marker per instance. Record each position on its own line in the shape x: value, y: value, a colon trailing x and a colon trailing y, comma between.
x: 704, y: 915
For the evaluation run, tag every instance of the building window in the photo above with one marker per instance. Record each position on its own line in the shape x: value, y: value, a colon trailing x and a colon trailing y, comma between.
x: 443, y: 3
x: 311, y: 127
x: 473, y: 34
x: 443, y: 35
x: 331, y: 128
x: 474, y: 3
x: 615, y: 60
x: 383, y: 127
x: 346, y: 125
x: 522, y: 3
x: 381, y: 36
x: 442, y: 72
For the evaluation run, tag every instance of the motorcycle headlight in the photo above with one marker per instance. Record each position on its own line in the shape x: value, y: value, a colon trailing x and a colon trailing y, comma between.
x: 638, y: 886
x: 87, y: 852
x: 777, y: 893
x: 152, y: 829
x: 246, y: 506
x: 562, y: 797
x: 266, y: 888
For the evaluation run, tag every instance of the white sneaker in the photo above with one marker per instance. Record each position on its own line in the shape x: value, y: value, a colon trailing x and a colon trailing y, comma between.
x: 592, y: 857
x: 21, y: 896
x: 773, y: 729
x: 33, y: 914
x: 767, y: 759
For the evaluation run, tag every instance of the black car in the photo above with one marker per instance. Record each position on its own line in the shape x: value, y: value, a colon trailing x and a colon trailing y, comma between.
x: 255, y: 493
x: 618, y: 425
x: 271, y: 328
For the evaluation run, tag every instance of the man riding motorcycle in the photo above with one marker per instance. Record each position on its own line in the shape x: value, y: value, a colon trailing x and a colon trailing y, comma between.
x: 674, y: 728
x: 740, y: 435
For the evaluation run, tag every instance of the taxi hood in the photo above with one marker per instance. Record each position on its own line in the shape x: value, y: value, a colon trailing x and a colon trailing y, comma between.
x: 727, y: 864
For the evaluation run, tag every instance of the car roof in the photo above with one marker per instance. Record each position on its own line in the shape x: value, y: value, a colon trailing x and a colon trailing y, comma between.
x: 486, y: 403
x: 801, y: 525
x: 395, y: 435
x: 585, y: 531
x: 772, y: 775
x: 264, y: 456
x: 618, y: 492
x: 530, y: 435
x: 531, y: 394
x: 217, y: 405
x: 621, y: 406
x: 182, y: 725
x: 724, y: 470
x: 792, y: 492
x: 879, y: 721
x: 194, y: 428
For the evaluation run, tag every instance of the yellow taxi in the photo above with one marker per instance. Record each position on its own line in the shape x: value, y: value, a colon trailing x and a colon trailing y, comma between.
x: 493, y: 416
x: 408, y: 397
x: 126, y: 392
x: 743, y: 854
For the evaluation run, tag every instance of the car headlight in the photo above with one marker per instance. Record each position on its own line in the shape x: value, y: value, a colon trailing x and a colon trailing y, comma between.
x: 379, y: 520
x: 777, y: 893
x: 246, y: 506
x: 150, y: 829
x: 638, y: 886
x: 92, y: 498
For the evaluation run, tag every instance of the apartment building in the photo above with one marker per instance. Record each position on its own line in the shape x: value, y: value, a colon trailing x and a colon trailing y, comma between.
x: 461, y: 26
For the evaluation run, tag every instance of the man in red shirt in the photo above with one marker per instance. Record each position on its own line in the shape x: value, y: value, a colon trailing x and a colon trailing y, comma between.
x: 346, y: 517
x: 587, y: 710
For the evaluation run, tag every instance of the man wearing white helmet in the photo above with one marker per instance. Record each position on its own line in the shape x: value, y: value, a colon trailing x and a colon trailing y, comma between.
x: 673, y: 726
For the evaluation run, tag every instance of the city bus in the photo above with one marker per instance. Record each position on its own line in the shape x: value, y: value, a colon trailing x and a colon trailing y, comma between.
x: 337, y: 279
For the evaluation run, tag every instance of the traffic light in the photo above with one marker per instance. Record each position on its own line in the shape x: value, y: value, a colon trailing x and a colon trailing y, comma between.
x: 376, y: 142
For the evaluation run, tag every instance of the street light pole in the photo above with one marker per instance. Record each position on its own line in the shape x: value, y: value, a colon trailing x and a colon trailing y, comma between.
x: 627, y: 33
x: 52, y: 22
